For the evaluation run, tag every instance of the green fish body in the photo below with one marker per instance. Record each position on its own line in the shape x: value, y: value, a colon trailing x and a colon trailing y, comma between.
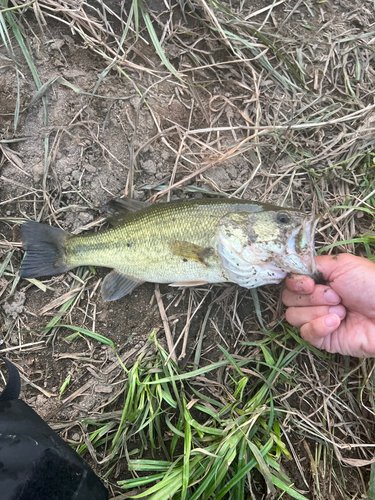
x: 181, y: 243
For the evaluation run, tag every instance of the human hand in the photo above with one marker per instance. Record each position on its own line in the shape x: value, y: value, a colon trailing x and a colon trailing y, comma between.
x: 339, y: 317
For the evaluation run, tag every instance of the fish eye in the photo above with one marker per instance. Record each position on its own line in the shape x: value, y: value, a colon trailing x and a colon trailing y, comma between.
x: 282, y: 217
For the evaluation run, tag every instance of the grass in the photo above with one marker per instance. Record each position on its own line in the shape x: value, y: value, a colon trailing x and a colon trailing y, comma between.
x: 222, y: 442
x: 280, y: 99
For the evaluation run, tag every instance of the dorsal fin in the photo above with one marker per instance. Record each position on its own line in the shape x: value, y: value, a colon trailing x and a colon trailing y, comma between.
x: 119, y: 208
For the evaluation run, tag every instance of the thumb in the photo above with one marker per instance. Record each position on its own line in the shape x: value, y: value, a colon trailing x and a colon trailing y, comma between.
x: 341, y: 263
x: 353, y: 278
x: 329, y: 266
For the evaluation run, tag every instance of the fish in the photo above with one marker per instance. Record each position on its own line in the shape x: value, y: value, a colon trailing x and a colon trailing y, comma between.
x: 182, y: 243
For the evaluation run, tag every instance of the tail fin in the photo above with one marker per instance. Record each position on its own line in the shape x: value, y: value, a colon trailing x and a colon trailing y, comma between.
x: 45, y: 253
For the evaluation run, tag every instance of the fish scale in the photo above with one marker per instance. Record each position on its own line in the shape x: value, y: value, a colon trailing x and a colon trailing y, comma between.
x: 150, y: 234
x: 181, y: 243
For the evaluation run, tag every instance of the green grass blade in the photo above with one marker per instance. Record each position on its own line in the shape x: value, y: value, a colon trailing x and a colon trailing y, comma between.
x: 89, y: 333
x: 288, y: 489
x: 371, y: 490
x: 187, y: 450
x: 155, y: 41
x: 254, y: 295
x: 262, y: 467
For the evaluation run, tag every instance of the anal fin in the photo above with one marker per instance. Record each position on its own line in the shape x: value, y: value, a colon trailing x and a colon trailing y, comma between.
x: 116, y: 285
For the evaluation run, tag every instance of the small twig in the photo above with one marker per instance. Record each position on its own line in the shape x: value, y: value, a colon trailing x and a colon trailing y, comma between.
x: 21, y: 346
x: 164, y: 318
x: 348, y: 212
x: 198, y: 349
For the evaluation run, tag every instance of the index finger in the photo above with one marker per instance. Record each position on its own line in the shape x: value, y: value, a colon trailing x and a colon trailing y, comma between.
x: 299, y: 283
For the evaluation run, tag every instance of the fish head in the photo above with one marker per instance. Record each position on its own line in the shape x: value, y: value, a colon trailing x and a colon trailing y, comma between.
x: 287, y: 236
x: 262, y: 247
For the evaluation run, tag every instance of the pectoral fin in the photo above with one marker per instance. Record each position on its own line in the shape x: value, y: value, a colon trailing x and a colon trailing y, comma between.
x: 116, y: 285
x: 190, y: 251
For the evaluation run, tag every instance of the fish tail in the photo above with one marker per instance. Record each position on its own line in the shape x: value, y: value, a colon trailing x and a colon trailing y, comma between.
x: 45, y: 250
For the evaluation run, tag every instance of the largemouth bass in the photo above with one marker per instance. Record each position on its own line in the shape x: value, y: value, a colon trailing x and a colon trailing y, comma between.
x: 182, y: 243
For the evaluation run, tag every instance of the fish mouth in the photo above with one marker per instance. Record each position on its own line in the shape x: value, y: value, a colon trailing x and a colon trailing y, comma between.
x: 300, y: 248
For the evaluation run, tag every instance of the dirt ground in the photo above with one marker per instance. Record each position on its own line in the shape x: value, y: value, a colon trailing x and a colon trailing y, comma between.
x: 92, y: 144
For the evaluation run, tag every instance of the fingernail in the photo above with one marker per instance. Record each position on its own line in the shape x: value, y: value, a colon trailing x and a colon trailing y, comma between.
x: 331, y: 296
x: 330, y: 320
x: 300, y: 286
x: 339, y: 310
